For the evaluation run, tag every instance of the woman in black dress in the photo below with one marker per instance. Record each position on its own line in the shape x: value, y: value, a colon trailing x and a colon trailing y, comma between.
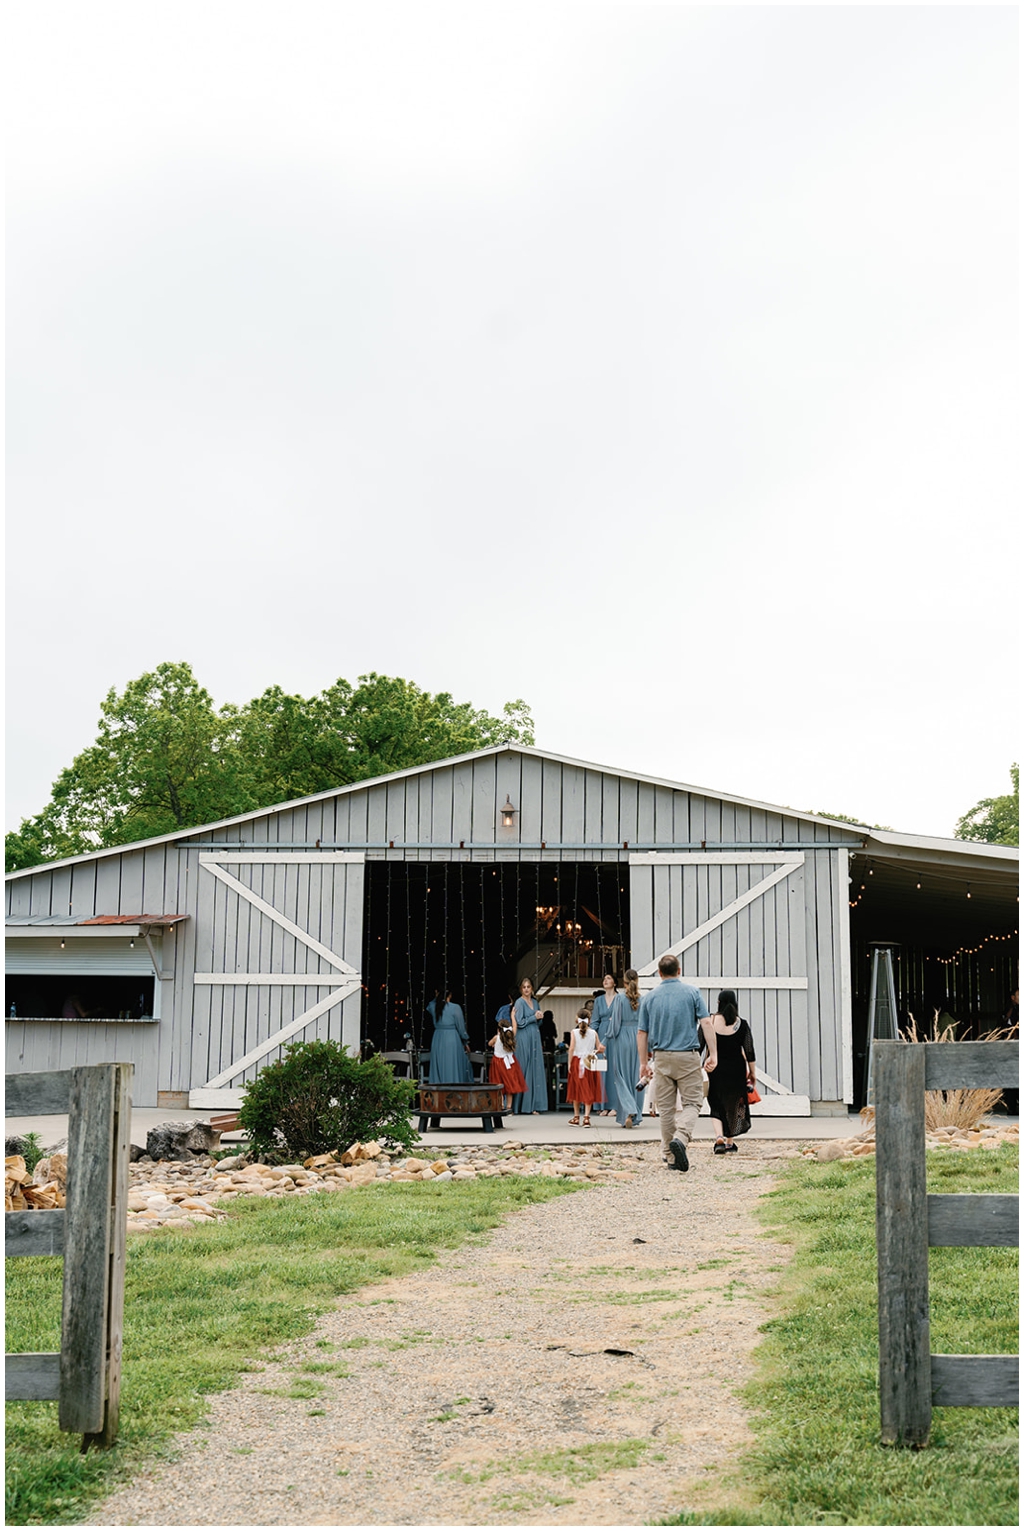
x: 734, y: 1076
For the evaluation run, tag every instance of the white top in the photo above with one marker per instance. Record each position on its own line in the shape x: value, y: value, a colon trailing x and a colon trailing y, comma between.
x: 500, y: 1050
x: 584, y: 1046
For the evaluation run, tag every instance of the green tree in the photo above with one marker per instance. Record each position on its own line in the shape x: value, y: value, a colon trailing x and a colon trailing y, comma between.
x: 166, y: 760
x: 292, y: 746
x: 157, y: 765
x: 995, y: 820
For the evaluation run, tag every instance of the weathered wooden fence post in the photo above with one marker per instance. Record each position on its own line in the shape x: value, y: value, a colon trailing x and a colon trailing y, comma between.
x: 901, y: 1223
x: 85, y: 1375
x: 908, y: 1220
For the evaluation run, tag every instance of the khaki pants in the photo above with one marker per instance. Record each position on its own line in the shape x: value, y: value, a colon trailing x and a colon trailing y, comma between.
x: 677, y: 1072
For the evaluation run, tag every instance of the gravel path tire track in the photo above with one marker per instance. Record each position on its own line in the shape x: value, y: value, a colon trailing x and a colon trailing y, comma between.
x: 481, y: 1391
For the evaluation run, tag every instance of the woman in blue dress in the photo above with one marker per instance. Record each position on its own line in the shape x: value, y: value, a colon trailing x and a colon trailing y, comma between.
x: 603, y: 1003
x: 624, y: 1067
x: 530, y: 1052
x: 449, y: 1049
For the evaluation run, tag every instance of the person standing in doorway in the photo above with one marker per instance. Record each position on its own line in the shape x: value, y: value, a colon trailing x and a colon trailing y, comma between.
x: 529, y: 1052
x: 735, y: 1074
x: 623, y: 1058
x: 449, y: 1047
x: 601, y: 1015
x: 548, y: 1043
x: 668, y: 1033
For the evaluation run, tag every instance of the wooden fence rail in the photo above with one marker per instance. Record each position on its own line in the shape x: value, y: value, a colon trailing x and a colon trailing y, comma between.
x: 908, y: 1221
x: 84, y: 1376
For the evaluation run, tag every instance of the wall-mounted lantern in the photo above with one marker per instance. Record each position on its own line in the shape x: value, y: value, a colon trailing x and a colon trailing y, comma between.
x: 508, y: 813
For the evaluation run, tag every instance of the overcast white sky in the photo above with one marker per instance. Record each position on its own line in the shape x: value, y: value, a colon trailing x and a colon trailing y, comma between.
x: 654, y: 363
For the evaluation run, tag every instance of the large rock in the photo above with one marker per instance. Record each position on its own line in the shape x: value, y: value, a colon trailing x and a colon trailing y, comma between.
x: 181, y: 1140
x: 55, y: 1167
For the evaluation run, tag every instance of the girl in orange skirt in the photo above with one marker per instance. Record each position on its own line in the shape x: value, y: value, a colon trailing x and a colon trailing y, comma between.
x: 504, y: 1068
x: 585, y: 1082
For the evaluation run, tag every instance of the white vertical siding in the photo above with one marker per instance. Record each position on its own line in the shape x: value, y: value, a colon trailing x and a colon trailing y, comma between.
x: 580, y: 809
x: 767, y: 938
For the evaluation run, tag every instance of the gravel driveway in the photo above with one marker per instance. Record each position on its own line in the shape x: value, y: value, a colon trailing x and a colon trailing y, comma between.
x: 483, y: 1391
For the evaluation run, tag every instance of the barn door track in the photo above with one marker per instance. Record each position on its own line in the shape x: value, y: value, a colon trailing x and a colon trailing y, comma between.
x: 576, y: 1366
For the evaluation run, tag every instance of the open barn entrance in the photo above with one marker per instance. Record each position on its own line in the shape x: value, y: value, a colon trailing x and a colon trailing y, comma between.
x: 954, y: 935
x: 480, y: 928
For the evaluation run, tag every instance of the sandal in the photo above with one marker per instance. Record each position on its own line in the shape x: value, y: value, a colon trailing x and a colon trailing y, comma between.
x: 574, y: 1121
x: 586, y: 1121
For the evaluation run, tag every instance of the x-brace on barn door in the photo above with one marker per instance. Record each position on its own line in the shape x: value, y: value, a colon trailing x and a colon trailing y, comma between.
x: 281, y: 917
x: 735, y: 920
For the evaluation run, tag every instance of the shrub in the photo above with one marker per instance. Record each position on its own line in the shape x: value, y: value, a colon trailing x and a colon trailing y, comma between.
x: 318, y: 1098
x: 29, y: 1145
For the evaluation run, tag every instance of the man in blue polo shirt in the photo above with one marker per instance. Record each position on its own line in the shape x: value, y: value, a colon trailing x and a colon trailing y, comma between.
x: 668, y: 1028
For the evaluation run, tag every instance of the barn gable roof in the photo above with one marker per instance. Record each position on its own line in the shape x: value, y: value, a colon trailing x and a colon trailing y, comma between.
x: 856, y: 831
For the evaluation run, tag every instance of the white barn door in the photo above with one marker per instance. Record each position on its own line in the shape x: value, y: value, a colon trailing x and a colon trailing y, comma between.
x: 279, y: 939
x: 735, y: 920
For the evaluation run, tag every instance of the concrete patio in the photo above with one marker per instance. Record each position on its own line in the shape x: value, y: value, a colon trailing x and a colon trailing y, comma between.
x: 550, y: 1127
x: 533, y: 1131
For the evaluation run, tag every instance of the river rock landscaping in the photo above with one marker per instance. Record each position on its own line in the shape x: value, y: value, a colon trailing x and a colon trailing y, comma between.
x: 961, y: 1139
x: 179, y: 1195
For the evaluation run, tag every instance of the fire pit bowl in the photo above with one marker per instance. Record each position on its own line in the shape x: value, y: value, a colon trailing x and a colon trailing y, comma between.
x: 482, y: 1100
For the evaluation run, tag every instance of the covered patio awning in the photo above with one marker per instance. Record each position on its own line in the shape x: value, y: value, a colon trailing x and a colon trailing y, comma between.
x: 120, y: 925
x: 933, y: 893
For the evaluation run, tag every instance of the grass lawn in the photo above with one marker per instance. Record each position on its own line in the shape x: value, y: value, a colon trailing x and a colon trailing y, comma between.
x: 817, y: 1458
x: 201, y: 1307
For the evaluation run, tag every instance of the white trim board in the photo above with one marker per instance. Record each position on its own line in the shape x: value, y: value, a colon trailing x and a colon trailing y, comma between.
x: 841, y: 915
x: 299, y: 980
x: 649, y: 980
x: 767, y: 857
x: 776, y: 1105
x: 57, y: 932
x: 210, y: 1100
x: 275, y: 858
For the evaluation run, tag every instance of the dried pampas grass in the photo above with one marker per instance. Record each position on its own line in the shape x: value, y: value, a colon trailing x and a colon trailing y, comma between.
x: 963, y: 1109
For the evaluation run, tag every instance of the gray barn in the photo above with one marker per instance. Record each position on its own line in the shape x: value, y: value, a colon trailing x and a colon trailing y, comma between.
x: 197, y: 956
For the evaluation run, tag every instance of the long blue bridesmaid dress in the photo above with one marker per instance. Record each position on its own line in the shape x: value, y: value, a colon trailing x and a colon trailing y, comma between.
x: 624, y: 1067
x: 449, y: 1062
x: 530, y: 1057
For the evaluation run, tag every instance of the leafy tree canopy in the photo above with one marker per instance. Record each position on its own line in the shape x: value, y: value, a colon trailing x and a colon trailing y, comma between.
x: 166, y: 759
x: 995, y: 820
